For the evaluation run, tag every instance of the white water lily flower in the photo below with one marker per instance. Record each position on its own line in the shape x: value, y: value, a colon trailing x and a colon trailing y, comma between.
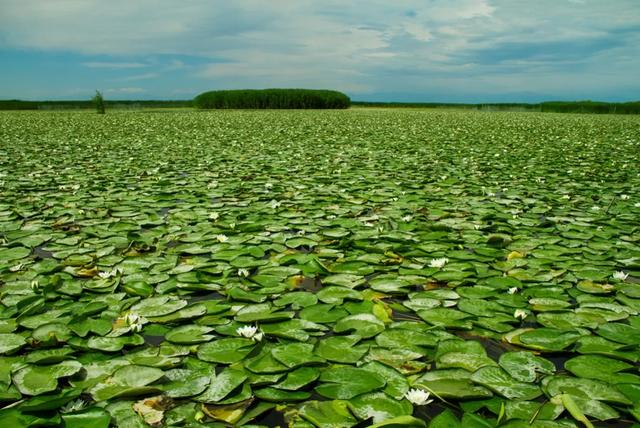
x: 243, y: 272
x: 35, y: 285
x: 222, y: 238
x: 214, y: 216
x: 268, y: 185
x: 134, y: 321
x: 512, y: 290
x: 438, y: 263
x: 620, y: 275
x: 16, y: 268
x: 109, y: 274
x: 275, y: 204
x: 407, y: 218
x: 73, y: 406
x: 418, y: 397
x: 595, y: 208
x: 132, y: 318
x: 250, y: 332
x: 637, y: 205
x: 520, y: 314
x: 624, y: 197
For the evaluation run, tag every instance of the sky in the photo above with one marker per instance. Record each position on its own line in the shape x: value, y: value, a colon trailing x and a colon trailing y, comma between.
x: 373, y: 50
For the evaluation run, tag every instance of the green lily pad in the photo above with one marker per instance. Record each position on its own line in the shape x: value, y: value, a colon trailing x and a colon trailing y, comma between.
x: 525, y: 366
x: 499, y: 381
x: 185, y: 383
x: 279, y: 395
x: 50, y: 401
x: 128, y: 381
x: 586, y: 388
x: 379, y: 406
x: 92, y: 417
x: 451, y: 384
x: 446, y: 317
x: 547, y: 339
x: 298, y: 378
x: 579, y: 406
x: 222, y: 384
x: 601, y: 368
x: 10, y: 342
x: 189, y: 334
x: 327, y: 413
x: 363, y: 325
x: 36, y: 380
x: 226, y: 350
x: 13, y: 253
x: 396, y: 384
x: 347, y: 382
x: 296, y: 354
x: 114, y: 344
x: 341, y: 349
x: 323, y: 313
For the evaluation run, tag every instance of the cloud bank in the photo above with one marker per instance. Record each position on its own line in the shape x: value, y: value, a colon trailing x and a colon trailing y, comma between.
x: 444, y: 50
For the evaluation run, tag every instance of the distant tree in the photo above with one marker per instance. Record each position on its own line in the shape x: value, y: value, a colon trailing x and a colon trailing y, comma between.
x: 98, y: 101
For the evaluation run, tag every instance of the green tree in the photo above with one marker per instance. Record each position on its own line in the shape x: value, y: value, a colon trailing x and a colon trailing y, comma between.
x: 98, y: 101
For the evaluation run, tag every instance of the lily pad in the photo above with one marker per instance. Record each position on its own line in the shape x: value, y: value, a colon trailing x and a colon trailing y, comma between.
x: 525, y: 366
x: 347, y: 382
x: 227, y: 350
x: 36, y: 380
x: 499, y: 381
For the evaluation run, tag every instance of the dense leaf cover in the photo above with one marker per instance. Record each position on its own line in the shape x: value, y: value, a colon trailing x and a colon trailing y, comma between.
x: 271, y: 267
x: 272, y: 99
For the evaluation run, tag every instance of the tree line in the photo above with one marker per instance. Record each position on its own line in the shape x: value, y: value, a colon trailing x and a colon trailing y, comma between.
x: 272, y: 99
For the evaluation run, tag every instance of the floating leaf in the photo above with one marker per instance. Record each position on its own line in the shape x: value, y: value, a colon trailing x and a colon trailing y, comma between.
x: 499, y: 381
x: 348, y: 382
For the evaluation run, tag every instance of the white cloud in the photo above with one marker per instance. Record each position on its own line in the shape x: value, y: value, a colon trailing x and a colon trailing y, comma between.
x: 124, y: 90
x: 114, y: 65
x: 144, y: 76
x: 419, y: 32
x: 358, y: 46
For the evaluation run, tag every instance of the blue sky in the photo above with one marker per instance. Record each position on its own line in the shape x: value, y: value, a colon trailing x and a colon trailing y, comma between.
x: 375, y: 50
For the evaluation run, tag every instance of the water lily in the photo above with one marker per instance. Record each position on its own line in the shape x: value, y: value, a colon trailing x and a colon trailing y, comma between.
x: 35, y: 285
x: 250, y: 332
x: 520, y: 314
x: 109, y: 274
x: 407, y: 218
x: 16, y: 268
x: 512, y: 290
x: 243, y: 272
x: 624, y: 197
x: 275, y: 204
x: 418, y: 397
x: 620, y: 275
x: 222, y: 238
x: 214, y: 216
x: 637, y: 205
x: 134, y: 321
x: 438, y: 263
x: 73, y: 406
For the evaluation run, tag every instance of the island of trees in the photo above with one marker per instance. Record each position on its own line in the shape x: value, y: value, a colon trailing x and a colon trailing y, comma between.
x: 272, y: 99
